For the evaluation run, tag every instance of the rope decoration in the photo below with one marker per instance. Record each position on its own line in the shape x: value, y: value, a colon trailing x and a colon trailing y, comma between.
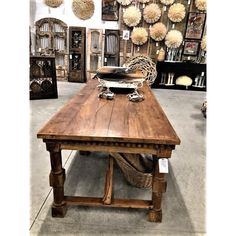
x: 53, y: 3
x: 145, y: 64
x: 83, y: 9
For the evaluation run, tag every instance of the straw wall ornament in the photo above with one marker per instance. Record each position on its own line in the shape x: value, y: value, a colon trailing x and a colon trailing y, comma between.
x: 201, y: 5
x: 53, y: 3
x: 151, y: 13
x: 139, y: 36
x: 176, y: 12
x: 167, y: 2
x: 132, y: 16
x: 124, y: 2
x: 158, y: 31
x: 204, y: 43
x: 173, y: 39
x: 83, y: 9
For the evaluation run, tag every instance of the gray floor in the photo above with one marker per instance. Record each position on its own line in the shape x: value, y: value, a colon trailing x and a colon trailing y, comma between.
x: 183, y: 203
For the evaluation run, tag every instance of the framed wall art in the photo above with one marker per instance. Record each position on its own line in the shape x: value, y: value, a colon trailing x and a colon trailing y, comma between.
x: 195, y: 25
x: 110, y: 10
x: 191, y: 48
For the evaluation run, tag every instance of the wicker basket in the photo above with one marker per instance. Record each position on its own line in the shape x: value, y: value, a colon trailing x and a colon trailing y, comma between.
x: 132, y: 175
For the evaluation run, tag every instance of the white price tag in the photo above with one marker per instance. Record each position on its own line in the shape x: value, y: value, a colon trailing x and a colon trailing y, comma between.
x: 70, y: 56
x: 163, y: 165
x: 125, y: 34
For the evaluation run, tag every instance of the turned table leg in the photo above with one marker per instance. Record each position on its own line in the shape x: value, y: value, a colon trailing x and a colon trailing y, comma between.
x: 56, y: 180
x: 158, y: 187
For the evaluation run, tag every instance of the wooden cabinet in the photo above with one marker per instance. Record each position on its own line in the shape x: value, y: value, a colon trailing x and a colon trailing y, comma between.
x: 112, y: 48
x: 43, y: 82
x: 51, y: 39
x: 168, y: 72
x: 77, y: 57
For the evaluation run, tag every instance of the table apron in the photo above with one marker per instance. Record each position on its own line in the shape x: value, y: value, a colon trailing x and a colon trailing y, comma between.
x: 160, y: 150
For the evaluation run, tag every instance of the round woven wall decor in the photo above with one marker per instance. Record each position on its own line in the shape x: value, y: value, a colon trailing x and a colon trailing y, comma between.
x: 124, y: 2
x: 176, y: 12
x: 201, y: 5
x: 83, y: 9
x: 173, y: 39
x: 139, y: 36
x: 145, y: 64
x: 151, y: 13
x: 53, y: 3
x: 132, y: 16
x: 158, y: 31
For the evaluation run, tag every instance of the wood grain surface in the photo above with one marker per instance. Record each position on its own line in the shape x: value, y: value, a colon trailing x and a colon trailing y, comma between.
x: 87, y: 117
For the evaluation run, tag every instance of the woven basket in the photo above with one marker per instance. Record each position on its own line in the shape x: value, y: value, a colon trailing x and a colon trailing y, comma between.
x: 132, y: 175
x: 145, y: 64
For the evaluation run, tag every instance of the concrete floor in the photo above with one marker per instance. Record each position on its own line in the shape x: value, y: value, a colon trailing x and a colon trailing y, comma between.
x: 183, y: 203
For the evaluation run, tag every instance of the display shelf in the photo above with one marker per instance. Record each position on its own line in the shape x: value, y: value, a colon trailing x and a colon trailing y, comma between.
x: 168, y: 72
x: 77, y: 45
x: 42, y: 81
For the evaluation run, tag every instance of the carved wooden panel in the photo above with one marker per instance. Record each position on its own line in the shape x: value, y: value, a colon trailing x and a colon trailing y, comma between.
x: 94, y: 50
x: 51, y: 40
x: 112, y: 47
x: 77, y: 54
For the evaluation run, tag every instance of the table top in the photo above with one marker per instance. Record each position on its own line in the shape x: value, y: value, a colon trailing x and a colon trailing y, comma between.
x: 87, y: 117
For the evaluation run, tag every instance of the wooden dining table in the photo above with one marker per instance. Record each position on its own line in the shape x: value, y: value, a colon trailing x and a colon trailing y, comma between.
x: 89, y: 123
